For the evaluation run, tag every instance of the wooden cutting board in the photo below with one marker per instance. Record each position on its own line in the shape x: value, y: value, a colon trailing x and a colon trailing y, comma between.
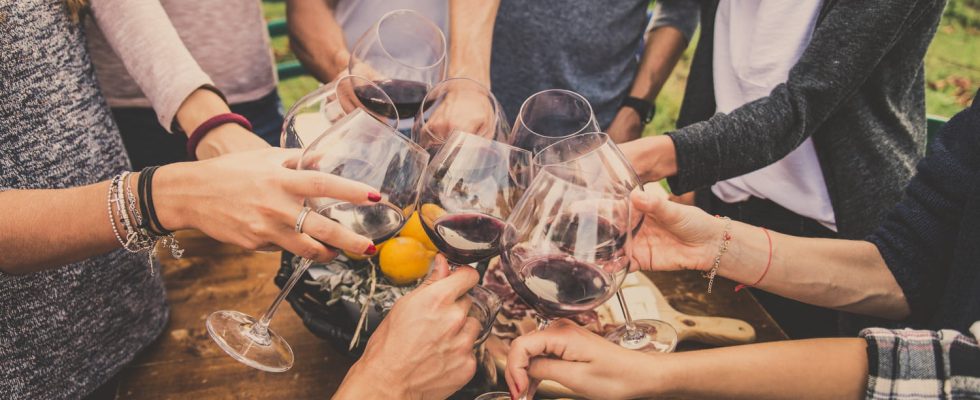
x: 646, y: 302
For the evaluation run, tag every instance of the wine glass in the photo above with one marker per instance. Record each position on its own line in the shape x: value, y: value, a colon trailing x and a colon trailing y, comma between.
x: 550, y: 115
x: 565, y: 248
x: 593, y: 160
x: 470, y: 188
x: 322, y: 108
x: 360, y: 148
x: 463, y: 104
x: 404, y: 53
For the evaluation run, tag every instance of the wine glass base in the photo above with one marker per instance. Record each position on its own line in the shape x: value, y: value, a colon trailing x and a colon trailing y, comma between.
x: 648, y: 335
x: 232, y: 331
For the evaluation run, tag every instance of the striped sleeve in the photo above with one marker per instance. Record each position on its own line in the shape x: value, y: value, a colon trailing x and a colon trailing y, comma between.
x: 920, y: 364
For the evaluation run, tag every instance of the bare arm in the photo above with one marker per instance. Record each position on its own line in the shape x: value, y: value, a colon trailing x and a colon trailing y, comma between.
x: 247, y: 199
x: 595, y: 367
x: 316, y: 38
x: 846, y: 275
x: 140, y: 32
x: 671, y: 29
x: 471, y: 32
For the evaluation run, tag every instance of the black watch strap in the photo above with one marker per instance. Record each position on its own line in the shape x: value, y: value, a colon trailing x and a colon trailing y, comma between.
x: 645, y: 108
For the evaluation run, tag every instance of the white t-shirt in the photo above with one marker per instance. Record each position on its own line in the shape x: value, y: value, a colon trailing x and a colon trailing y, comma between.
x: 356, y: 16
x: 756, y: 44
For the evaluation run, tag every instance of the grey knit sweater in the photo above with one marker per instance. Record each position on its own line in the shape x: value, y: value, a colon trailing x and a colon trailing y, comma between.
x: 857, y: 90
x: 65, y: 331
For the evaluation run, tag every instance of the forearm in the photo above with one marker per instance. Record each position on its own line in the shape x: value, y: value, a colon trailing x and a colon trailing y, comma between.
x: 471, y: 31
x: 846, y: 275
x: 802, y: 369
x: 664, y: 48
x: 44, y: 229
x: 316, y: 38
x: 361, y: 383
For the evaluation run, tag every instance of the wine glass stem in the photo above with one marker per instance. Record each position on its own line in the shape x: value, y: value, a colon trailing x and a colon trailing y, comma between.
x: 631, y: 330
x: 260, y: 331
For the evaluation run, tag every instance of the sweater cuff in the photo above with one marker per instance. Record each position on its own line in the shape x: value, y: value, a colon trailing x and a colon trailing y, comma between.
x: 171, y: 98
x: 696, y: 157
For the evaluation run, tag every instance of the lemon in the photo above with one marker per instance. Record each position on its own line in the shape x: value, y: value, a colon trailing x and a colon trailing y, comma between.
x: 413, y: 229
x: 405, y: 260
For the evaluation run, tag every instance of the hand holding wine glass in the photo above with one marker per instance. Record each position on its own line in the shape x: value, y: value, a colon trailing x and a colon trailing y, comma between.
x: 674, y: 236
x: 424, y: 346
x: 578, y: 359
x: 459, y: 104
x: 359, y: 148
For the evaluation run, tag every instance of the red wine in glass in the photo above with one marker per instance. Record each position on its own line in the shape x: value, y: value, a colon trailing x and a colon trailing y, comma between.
x: 407, y: 96
x: 559, y: 286
x: 466, y: 238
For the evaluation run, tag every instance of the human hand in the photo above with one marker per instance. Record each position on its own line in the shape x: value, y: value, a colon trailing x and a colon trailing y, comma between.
x: 578, y: 359
x: 673, y: 236
x: 423, y: 349
x: 461, y: 104
x: 226, y: 139
x: 251, y: 200
x: 626, y: 126
x: 652, y: 157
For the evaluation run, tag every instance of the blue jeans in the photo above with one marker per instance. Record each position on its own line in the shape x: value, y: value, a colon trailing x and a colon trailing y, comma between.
x: 147, y: 143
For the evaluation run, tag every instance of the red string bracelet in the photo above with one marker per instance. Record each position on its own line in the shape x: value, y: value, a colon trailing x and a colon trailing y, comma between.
x: 768, y: 264
x: 209, y: 125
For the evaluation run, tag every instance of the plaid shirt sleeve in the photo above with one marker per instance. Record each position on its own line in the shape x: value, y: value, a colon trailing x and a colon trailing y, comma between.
x: 919, y: 364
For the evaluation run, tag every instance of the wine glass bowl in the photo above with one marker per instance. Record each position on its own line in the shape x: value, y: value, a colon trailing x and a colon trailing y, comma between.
x: 404, y: 53
x: 322, y: 108
x: 486, y: 305
x: 549, y: 116
x: 459, y: 104
x: 471, y: 186
x: 565, y: 247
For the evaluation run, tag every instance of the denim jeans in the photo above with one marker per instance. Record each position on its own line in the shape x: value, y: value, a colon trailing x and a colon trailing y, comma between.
x: 147, y: 143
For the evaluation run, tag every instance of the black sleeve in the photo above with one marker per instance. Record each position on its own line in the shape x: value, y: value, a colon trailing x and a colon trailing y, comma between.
x: 917, y: 238
x: 844, y: 50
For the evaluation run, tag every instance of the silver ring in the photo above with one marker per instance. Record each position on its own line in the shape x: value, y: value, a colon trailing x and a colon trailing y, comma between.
x: 302, y: 218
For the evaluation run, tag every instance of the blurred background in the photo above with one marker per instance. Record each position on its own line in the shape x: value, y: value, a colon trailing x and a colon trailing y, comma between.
x: 952, y: 65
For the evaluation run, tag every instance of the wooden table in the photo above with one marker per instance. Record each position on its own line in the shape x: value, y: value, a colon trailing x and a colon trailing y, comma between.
x: 185, y: 364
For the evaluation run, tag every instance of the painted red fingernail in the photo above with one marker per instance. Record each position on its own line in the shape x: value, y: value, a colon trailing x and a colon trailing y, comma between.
x: 375, y: 197
x: 371, y: 250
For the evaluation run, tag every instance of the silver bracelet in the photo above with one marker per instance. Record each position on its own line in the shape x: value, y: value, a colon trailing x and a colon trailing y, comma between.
x: 142, y: 238
x: 726, y: 239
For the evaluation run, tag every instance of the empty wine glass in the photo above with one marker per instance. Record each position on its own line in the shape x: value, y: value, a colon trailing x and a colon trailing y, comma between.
x: 486, y: 305
x: 360, y: 148
x: 463, y: 104
x: 565, y: 248
x: 405, y: 54
x: 322, y: 108
x: 470, y: 188
x: 550, y: 115
x: 594, y: 161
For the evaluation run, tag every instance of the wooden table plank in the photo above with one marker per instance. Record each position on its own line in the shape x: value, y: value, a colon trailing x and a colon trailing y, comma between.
x: 184, y: 363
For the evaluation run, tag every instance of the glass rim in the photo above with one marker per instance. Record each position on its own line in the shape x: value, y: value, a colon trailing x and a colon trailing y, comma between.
x: 421, y: 113
x: 388, y: 129
x: 537, y: 154
x: 520, y: 113
x: 377, y: 32
x: 544, y: 173
x: 494, y: 142
x: 325, y: 89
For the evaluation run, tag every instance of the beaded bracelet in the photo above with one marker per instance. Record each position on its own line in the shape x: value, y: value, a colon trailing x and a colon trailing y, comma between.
x: 112, y: 197
x: 726, y: 239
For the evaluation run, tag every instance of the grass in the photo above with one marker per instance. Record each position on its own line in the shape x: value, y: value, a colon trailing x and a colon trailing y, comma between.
x: 952, y: 67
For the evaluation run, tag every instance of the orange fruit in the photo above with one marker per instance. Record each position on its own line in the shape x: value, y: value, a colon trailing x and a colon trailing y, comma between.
x: 405, y: 260
x: 413, y: 229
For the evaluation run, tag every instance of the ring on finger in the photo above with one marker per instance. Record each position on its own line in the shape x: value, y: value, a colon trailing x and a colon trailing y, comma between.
x: 302, y: 218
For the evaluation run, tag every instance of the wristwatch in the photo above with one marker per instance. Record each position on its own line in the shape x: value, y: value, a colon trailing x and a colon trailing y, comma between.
x: 646, y: 109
